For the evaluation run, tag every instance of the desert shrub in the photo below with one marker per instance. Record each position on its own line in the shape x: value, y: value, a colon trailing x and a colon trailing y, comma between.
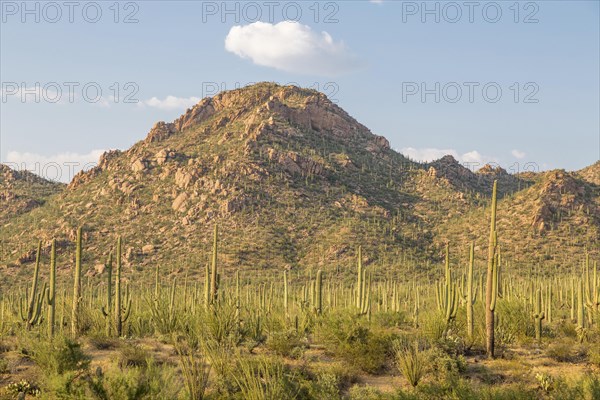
x: 151, y: 381
x: 434, y: 326
x: 566, y: 350
x: 361, y: 347
x: 326, y: 386
x: 195, y: 370
x: 263, y: 379
x: 287, y: 343
x: 4, y: 368
x: 389, y: 319
x: 22, y: 389
x: 132, y: 355
x: 410, y: 361
x: 444, y: 367
x: 594, y: 355
x: 513, y: 322
x: 58, y: 356
x: 101, y: 342
x: 367, y: 393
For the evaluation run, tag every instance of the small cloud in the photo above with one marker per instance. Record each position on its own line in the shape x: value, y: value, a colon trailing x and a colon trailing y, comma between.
x: 518, y: 154
x: 291, y: 47
x: 59, y: 167
x: 472, y: 159
x: 427, y: 154
x: 170, y: 102
x: 376, y: 1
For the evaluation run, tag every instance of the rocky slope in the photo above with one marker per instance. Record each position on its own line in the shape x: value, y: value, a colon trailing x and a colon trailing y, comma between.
x: 22, y: 191
x: 293, y: 181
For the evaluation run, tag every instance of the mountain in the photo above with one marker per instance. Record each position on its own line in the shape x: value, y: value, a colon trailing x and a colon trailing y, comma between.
x: 294, y: 182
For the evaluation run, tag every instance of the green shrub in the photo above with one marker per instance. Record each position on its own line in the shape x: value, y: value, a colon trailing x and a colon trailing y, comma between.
x: 58, y: 356
x: 410, y: 360
x: 367, y: 393
x: 566, y: 350
x: 132, y: 355
x: 444, y: 367
x: 264, y: 379
x: 352, y: 341
x: 286, y: 344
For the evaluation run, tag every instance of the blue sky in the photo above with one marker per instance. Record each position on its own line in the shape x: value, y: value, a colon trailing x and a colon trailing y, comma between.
x: 383, y: 62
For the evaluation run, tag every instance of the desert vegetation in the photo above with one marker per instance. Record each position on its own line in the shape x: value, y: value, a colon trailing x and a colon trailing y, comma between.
x: 467, y: 331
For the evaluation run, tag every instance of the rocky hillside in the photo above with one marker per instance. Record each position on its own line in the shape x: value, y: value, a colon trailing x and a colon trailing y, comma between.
x: 293, y: 182
x: 22, y: 191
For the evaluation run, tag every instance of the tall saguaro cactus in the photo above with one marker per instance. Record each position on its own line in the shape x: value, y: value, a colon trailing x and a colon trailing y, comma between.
x: 76, y: 287
x: 491, y: 291
x: 447, y: 292
x: 106, y: 310
x: 471, y: 292
x: 34, y: 303
x: 121, y: 314
x: 213, y: 277
x: 538, y: 315
x: 51, y: 294
x: 319, y: 292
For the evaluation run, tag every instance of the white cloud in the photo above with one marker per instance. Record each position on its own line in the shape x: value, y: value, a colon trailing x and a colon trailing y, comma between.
x: 57, y: 167
x: 518, y: 154
x: 171, y: 102
x: 427, y: 154
x: 291, y: 47
x: 376, y: 1
x: 472, y: 159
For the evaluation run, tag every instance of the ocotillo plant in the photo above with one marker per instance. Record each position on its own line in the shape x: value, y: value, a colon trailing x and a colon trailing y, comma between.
x: 51, y: 294
x: 538, y: 315
x: 76, y: 287
x: 491, y: 281
x: 121, y: 314
x: 34, y: 303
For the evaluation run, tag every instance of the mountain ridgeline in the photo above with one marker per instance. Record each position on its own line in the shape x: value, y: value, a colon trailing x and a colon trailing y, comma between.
x: 293, y: 182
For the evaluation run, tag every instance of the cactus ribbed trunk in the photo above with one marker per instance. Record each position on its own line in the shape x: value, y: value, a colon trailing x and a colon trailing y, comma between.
x: 490, y: 284
x: 76, y: 288
x: 52, y: 290
x: 359, y: 281
x: 470, y: 294
x: 213, y: 277
x: 319, y: 292
x: 118, y: 322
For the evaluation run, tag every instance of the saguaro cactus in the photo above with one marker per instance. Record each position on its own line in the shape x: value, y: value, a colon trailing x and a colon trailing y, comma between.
x: 34, y: 303
x: 76, y: 287
x: 107, y: 308
x: 359, y: 281
x: 319, y: 292
x: 471, y: 292
x: 121, y: 314
x: 491, y: 292
x: 580, y: 309
x: 285, y: 291
x: 538, y: 315
x: 51, y: 294
x: 213, y: 277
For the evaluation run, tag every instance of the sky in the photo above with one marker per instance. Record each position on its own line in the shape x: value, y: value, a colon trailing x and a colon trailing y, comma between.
x: 511, y: 83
